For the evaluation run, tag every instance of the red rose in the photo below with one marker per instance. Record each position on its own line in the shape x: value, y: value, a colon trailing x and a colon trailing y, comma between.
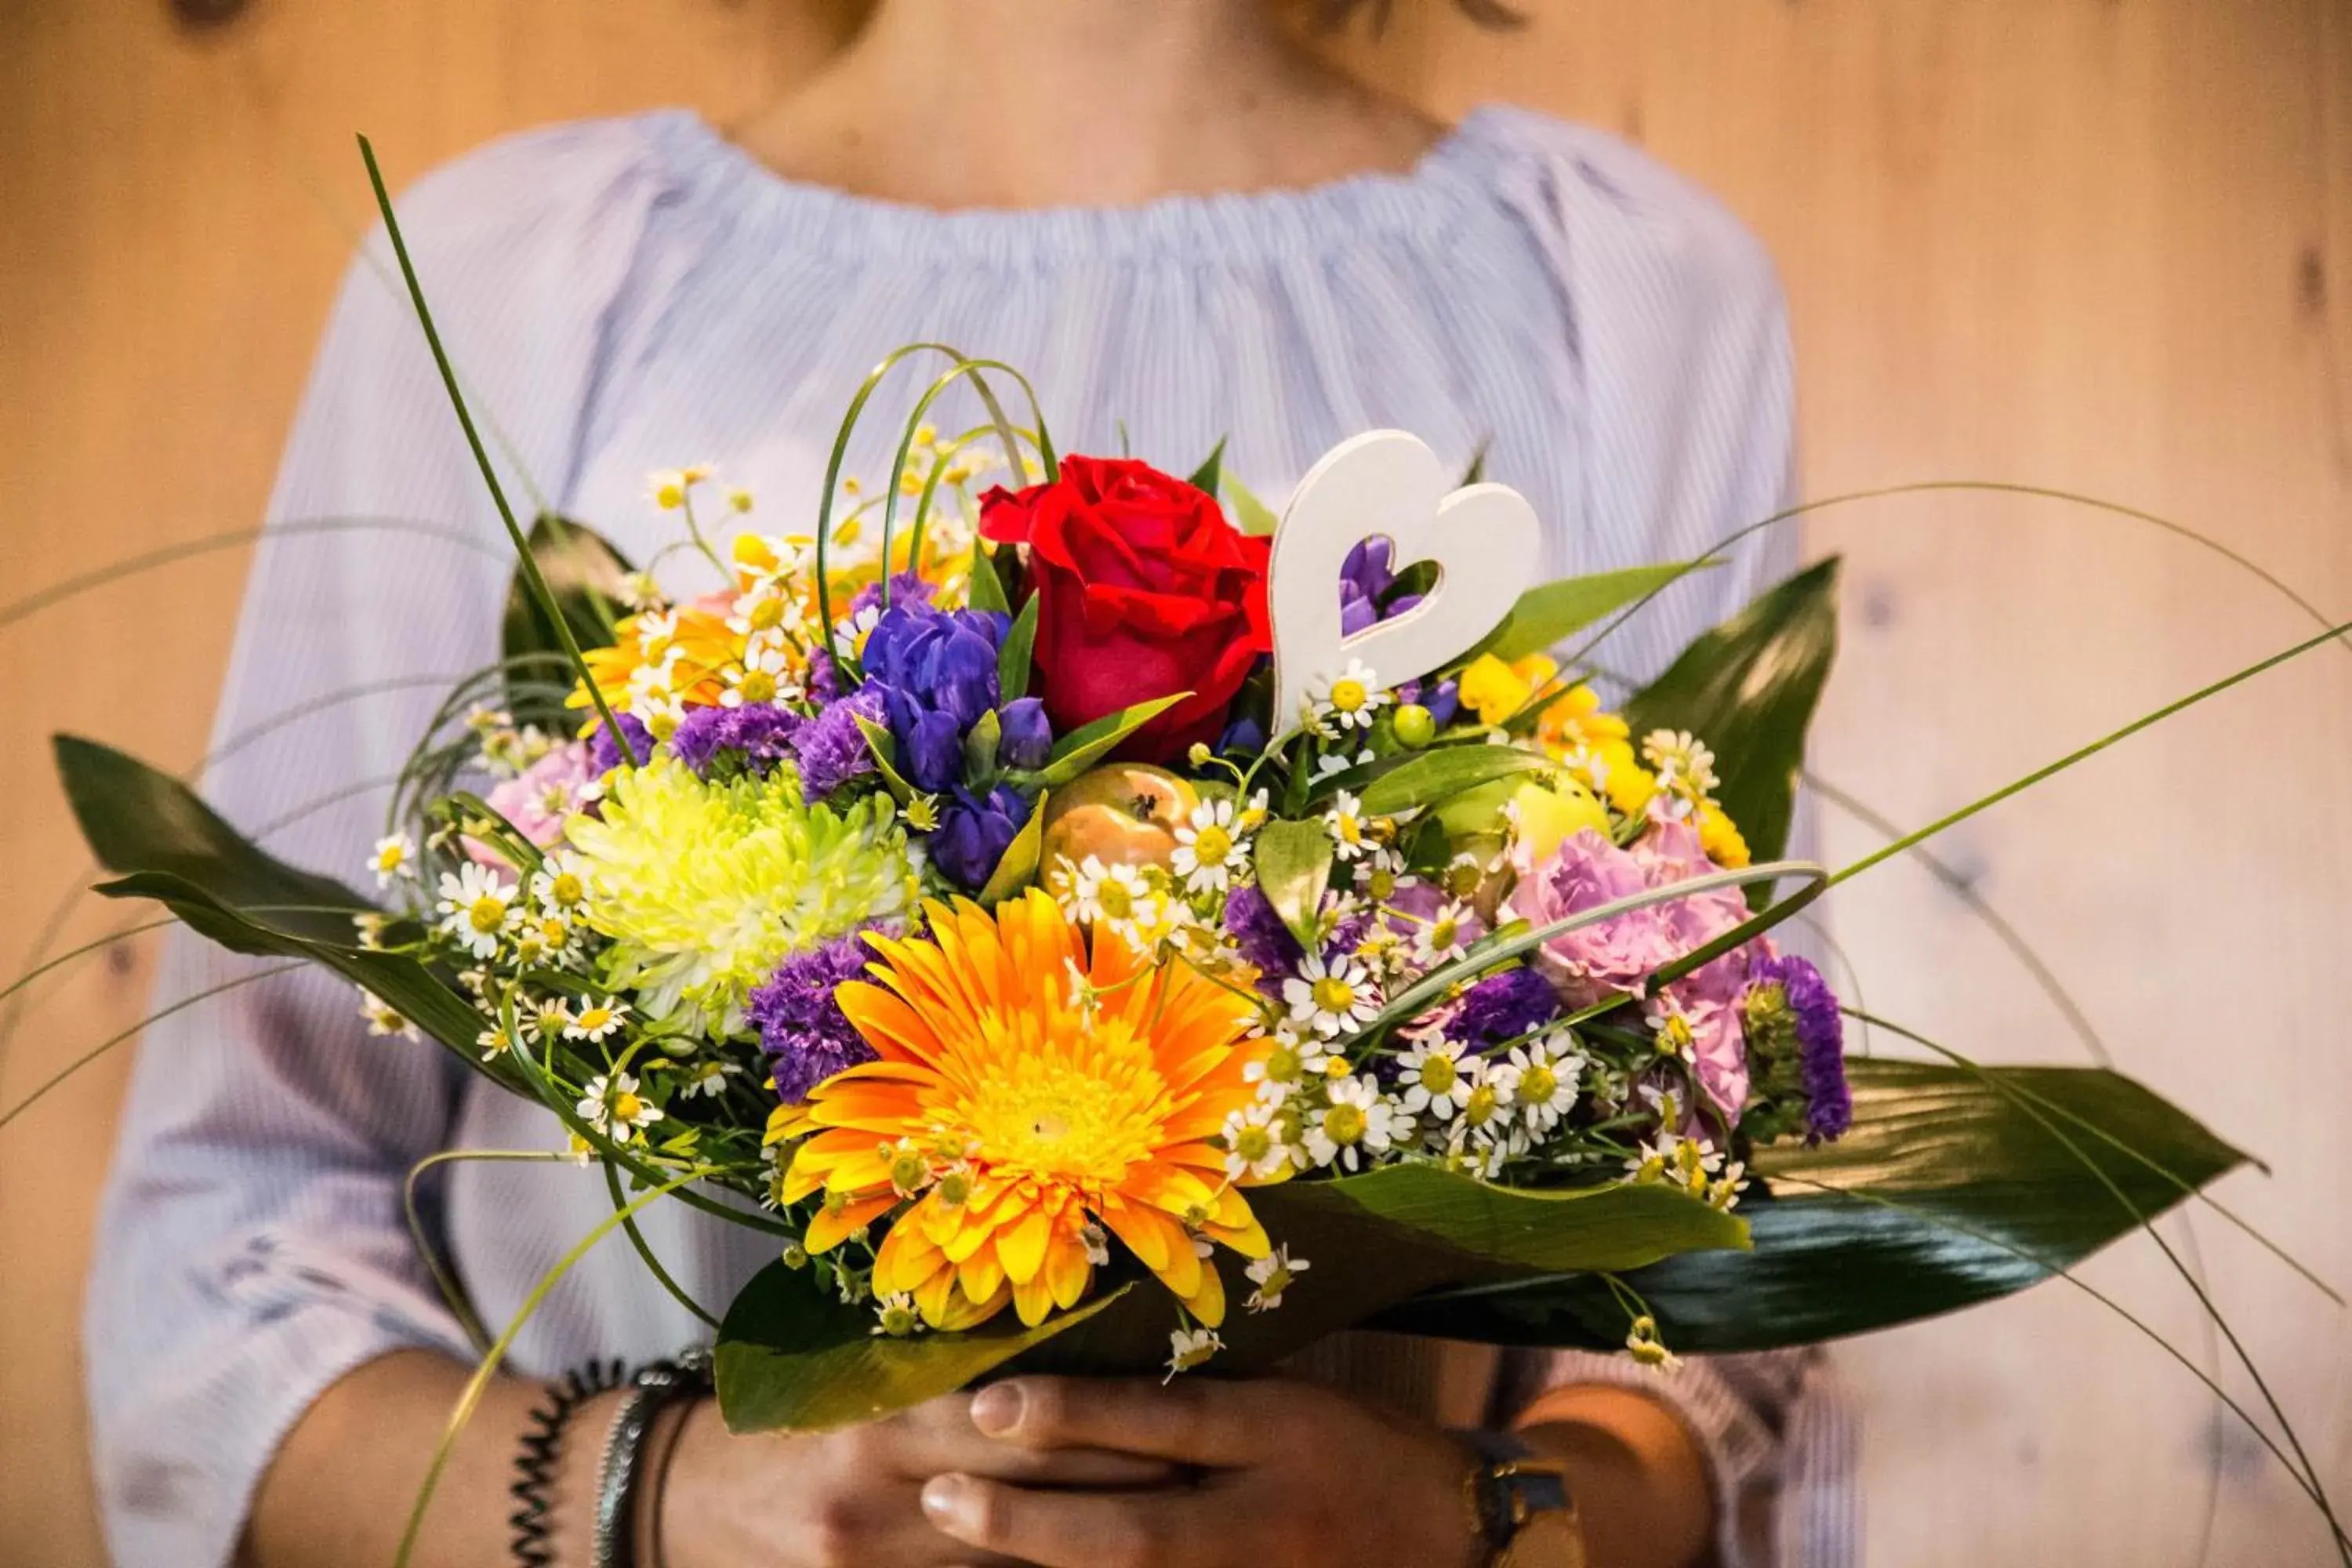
x: 1144, y: 590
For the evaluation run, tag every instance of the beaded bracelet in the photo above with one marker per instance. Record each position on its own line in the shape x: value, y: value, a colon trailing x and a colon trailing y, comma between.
x: 541, y: 1446
x: 655, y: 1388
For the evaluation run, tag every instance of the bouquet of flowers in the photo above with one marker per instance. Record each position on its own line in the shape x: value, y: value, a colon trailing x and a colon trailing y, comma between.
x: 1092, y: 924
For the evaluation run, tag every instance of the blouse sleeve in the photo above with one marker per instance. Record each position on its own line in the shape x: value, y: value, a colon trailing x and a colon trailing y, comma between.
x: 1680, y: 345
x: 252, y: 1245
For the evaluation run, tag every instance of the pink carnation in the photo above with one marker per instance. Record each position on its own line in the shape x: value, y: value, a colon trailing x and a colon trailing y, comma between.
x: 1586, y: 872
x: 537, y: 799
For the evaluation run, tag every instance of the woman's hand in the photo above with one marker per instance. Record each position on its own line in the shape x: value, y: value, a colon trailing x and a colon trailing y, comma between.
x: 1281, y: 1473
x: 851, y: 1496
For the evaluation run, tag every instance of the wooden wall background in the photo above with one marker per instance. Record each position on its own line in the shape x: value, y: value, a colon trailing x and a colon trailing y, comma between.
x: 2101, y: 245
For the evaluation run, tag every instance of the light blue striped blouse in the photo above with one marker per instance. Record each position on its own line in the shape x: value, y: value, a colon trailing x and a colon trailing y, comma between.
x: 635, y: 293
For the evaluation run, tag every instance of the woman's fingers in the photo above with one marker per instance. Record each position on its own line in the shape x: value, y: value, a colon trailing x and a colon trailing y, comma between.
x: 1072, y: 1530
x: 941, y: 1436
x: 1192, y: 1422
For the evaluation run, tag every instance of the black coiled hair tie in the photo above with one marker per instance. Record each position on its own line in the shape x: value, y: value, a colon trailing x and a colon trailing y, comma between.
x: 541, y: 1445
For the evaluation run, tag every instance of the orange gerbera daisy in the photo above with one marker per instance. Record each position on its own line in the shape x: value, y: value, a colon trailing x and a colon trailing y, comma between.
x: 1028, y: 1088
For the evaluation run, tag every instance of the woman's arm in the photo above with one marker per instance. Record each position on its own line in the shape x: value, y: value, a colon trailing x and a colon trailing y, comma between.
x: 341, y: 1488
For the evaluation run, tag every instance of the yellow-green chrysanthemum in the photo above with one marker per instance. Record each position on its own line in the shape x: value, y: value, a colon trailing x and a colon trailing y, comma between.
x: 703, y: 888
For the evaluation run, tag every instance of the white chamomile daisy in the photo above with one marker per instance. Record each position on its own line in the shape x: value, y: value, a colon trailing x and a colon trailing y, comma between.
x: 477, y: 908
x: 1209, y: 847
x: 1669, y: 1026
x: 1331, y: 997
x: 850, y: 632
x: 1443, y: 937
x: 1189, y: 1348
x: 615, y: 1108
x: 1279, y: 1068
x: 494, y: 1041
x: 762, y: 677
x: 638, y: 591
x: 1350, y: 830
x: 1254, y: 1143
x: 1109, y: 893
x: 895, y: 1316
x: 1358, y: 1119
x: 594, y: 1020
x: 1275, y: 1272
x: 1547, y: 1073
x: 1690, y: 1164
x: 1685, y: 768
x: 656, y: 636
x: 547, y: 1020
x: 383, y: 1018
x: 707, y: 1077
x: 1352, y: 702
x: 395, y: 858
x: 1433, y: 1078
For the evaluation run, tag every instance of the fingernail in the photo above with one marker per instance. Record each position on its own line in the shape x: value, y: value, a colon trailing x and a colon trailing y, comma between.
x: 943, y: 1497
x: 996, y: 1409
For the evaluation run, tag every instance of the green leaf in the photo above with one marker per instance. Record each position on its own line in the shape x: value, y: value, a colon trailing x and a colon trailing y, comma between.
x: 1436, y: 776
x: 1747, y: 690
x: 1476, y: 472
x: 1254, y: 515
x: 1205, y: 477
x: 792, y: 1357
x: 980, y: 746
x: 879, y: 741
x: 1950, y: 1193
x: 1017, y: 867
x: 1014, y: 657
x: 987, y: 590
x: 1546, y: 615
x: 583, y: 570
x: 1079, y: 750
x: 1294, y: 866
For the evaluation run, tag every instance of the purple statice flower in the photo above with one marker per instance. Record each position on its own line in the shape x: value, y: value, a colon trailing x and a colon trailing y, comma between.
x: 973, y: 835
x: 1501, y: 1008
x: 824, y: 676
x: 831, y: 749
x: 1820, y: 1042
x: 906, y: 588
x: 757, y: 735
x: 936, y: 670
x: 802, y: 1029
x: 1028, y: 738
x: 1265, y: 942
x: 604, y: 754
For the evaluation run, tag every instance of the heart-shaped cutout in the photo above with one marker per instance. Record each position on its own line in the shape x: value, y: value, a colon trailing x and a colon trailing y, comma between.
x: 1484, y: 540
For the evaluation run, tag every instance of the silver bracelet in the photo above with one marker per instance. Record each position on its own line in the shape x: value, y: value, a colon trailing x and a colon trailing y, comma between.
x: 653, y: 1389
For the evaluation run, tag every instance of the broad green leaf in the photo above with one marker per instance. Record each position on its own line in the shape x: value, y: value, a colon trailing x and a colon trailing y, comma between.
x: 1950, y: 1193
x: 1012, y: 659
x: 792, y: 1357
x: 583, y: 572
x: 1747, y: 690
x: 1017, y: 867
x: 884, y: 748
x: 1546, y: 615
x: 1205, y: 477
x: 1433, y: 778
x: 1294, y: 866
x: 1254, y: 515
x: 1079, y: 750
x: 987, y: 590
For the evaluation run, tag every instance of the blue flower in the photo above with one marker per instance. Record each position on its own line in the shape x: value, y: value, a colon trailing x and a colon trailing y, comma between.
x: 936, y: 670
x: 1028, y: 739
x: 973, y: 835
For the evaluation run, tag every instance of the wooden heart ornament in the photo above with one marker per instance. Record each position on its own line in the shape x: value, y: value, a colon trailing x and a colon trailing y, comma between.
x: 1484, y: 538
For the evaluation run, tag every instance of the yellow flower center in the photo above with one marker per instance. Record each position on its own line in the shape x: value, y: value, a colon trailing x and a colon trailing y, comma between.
x: 390, y: 856
x: 594, y: 1018
x: 1437, y: 1075
x: 766, y: 615
x: 1212, y: 845
x: 908, y: 1172
x: 1252, y: 1143
x: 1118, y: 903
x: 1336, y: 1068
x: 1349, y: 828
x: 554, y: 932
x: 757, y: 686
x: 1383, y: 883
x: 565, y: 889
x: 1479, y: 1109
x: 627, y: 1107
x: 898, y: 1322
x: 1333, y: 995
x: 1444, y: 932
x: 1348, y: 695
x: 487, y: 913
x: 1282, y: 1064
x: 1343, y: 1124
x: 1083, y: 1115
x: 1538, y: 1084
x: 955, y: 1189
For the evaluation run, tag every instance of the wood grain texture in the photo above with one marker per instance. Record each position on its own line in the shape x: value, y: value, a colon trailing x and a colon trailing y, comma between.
x: 2098, y: 245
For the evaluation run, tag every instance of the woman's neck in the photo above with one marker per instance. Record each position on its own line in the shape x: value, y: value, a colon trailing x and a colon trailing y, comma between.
x: 1029, y: 103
